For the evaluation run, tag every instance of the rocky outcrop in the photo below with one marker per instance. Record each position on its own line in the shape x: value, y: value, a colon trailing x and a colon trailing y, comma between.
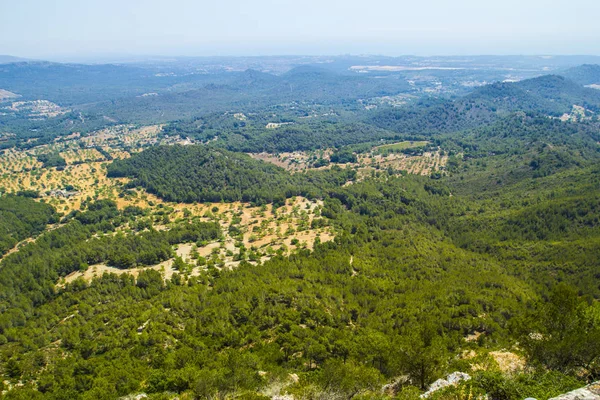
x: 139, y: 396
x: 590, y: 392
x: 396, y: 386
x: 453, y: 379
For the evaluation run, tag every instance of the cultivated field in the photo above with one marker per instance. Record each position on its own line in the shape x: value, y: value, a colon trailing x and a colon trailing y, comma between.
x: 387, y: 157
x: 399, y: 146
x: 252, y: 234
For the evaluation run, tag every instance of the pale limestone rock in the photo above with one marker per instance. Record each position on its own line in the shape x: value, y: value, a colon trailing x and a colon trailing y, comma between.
x: 590, y: 392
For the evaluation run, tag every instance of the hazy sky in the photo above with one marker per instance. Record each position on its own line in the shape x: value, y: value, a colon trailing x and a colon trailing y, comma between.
x: 82, y: 28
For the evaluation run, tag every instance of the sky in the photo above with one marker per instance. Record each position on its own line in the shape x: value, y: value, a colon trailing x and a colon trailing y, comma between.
x: 78, y: 29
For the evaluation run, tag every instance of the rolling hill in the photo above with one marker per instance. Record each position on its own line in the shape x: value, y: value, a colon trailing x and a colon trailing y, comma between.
x: 551, y: 95
x: 587, y: 74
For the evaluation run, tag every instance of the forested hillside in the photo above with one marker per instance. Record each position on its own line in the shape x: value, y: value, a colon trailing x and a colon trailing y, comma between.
x: 461, y: 234
x: 551, y: 95
x: 587, y: 74
x: 21, y: 218
x: 373, y: 305
x: 290, y: 134
x: 198, y: 173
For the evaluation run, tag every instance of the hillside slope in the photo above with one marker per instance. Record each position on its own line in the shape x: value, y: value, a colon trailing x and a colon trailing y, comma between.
x: 549, y: 95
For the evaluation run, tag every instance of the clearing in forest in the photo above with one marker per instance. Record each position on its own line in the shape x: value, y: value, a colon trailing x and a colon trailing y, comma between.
x: 388, y: 157
x: 252, y: 234
x: 401, y: 146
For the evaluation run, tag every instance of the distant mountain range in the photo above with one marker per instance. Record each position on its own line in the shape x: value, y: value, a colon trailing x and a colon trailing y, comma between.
x: 5, y: 59
x: 454, y: 99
